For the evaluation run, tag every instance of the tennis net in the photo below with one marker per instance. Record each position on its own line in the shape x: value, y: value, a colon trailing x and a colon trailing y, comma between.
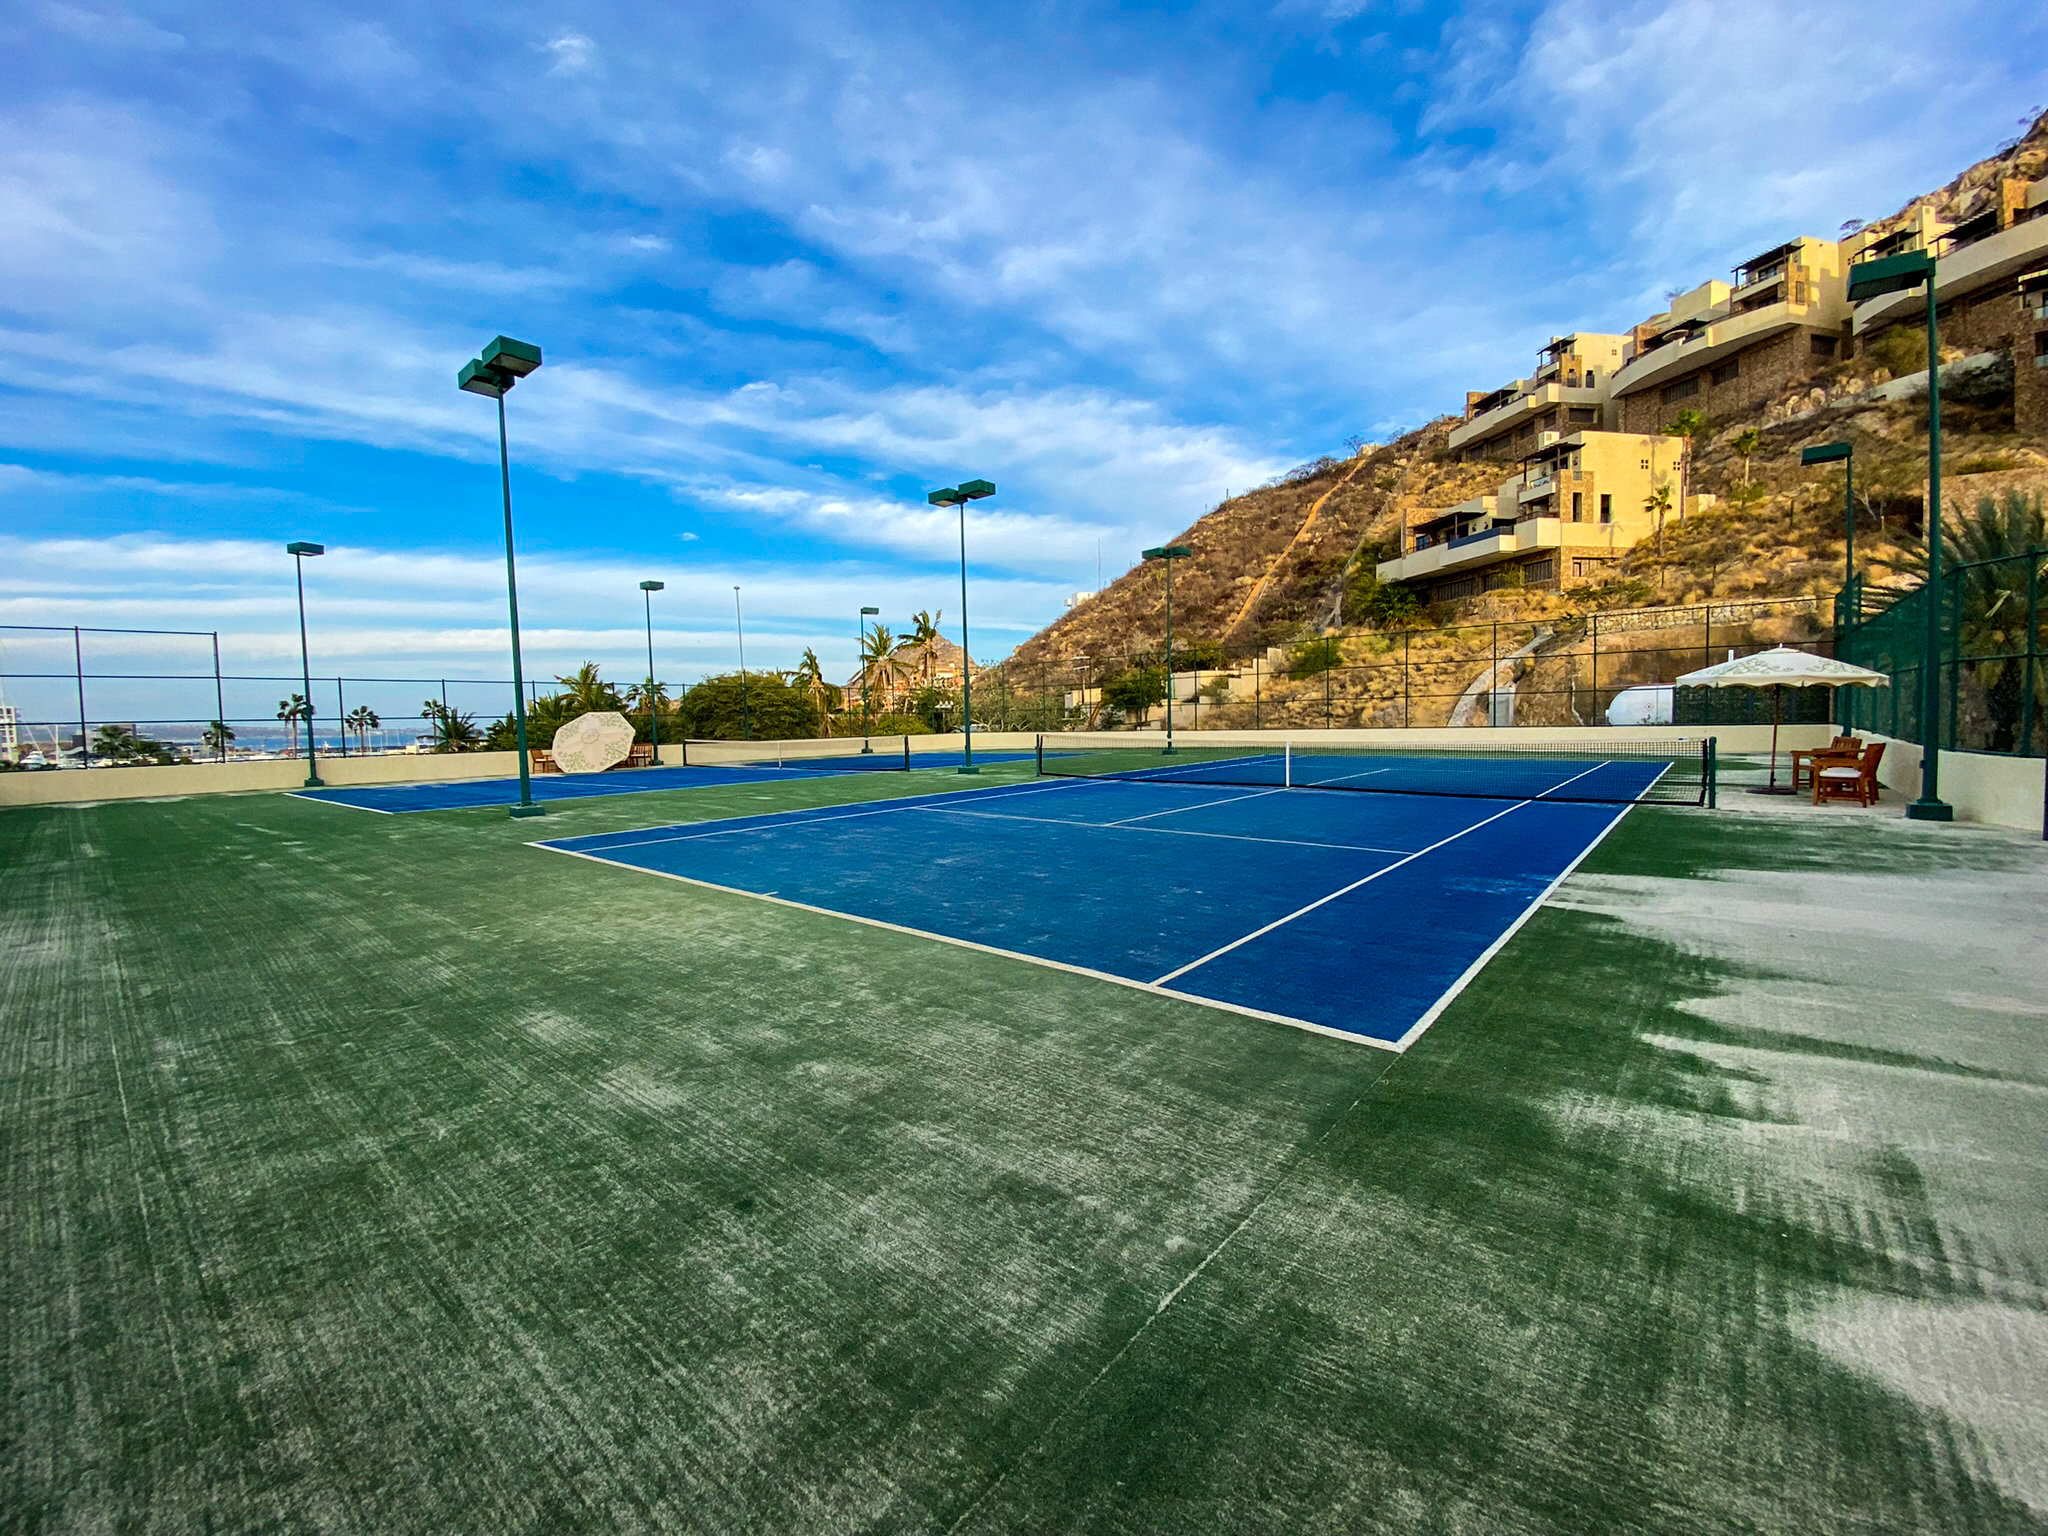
x: 1677, y: 772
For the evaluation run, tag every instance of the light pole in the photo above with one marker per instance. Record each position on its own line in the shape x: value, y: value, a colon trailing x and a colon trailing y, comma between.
x: 299, y: 552
x: 866, y: 745
x: 1850, y: 609
x: 1167, y: 554
x: 1828, y: 453
x: 959, y: 496
x: 504, y: 363
x: 1870, y: 280
x: 647, y: 591
x: 741, y: 625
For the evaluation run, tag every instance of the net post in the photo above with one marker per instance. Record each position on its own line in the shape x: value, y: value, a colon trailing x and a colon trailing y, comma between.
x: 1040, y: 754
x: 1287, y: 764
x: 685, y: 746
x: 1709, y: 769
x: 906, y: 754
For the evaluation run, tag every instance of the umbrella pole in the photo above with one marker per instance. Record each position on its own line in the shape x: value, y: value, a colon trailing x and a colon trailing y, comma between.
x: 1777, y: 698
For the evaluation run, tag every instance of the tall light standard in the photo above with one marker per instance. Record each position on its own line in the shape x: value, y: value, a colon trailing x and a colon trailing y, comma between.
x: 504, y: 363
x: 1167, y: 554
x: 740, y: 624
x: 1850, y: 609
x: 647, y: 591
x: 866, y: 746
x: 1871, y: 280
x: 299, y: 552
x: 959, y: 496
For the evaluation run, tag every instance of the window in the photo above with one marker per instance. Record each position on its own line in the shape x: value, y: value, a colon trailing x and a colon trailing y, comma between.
x: 1587, y: 567
x: 1607, y: 506
x: 1542, y: 572
x: 1823, y: 346
x: 1684, y: 389
x: 1451, y: 591
x: 1592, y: 378
x: 2041, y: 349
x: 1728, y: 372
x: 1578, y: 506
x: 1583, y: 415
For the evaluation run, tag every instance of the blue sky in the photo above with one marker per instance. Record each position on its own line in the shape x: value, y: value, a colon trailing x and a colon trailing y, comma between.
x: 793, y: 266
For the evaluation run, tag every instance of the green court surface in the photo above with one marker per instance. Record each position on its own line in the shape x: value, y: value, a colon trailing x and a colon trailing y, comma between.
x: 386, y: 1174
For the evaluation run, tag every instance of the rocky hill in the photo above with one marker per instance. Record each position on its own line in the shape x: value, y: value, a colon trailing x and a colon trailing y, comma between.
x: 1272, y: 567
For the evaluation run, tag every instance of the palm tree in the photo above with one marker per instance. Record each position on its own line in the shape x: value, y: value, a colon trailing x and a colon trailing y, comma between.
x: 654, y: 700
x: 1746, y: 443
x: 924, y: 633
x: 1686, y: 426
x: 810, y: 675
x: 1658, y: 505
x: 449, y: 730
x: 586, y: 691
x: 1996, y: 555
x: 292, y: 711
x: 217, y: 735
x: 362, y: 720
x: 878, y: 665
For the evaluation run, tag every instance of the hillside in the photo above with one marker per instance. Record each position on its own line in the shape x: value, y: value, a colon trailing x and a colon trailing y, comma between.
x: 1270, y: 568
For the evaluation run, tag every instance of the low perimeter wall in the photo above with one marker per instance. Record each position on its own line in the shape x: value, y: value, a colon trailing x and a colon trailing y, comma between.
x: 76, y: 786
x: 1982, y: 786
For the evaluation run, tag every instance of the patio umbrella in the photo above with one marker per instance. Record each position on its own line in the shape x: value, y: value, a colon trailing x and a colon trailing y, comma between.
x: 1778, y: 670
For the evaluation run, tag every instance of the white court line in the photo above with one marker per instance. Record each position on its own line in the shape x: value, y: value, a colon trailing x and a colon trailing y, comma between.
x: 1152, y: 987
x: 1098, y: 826
x: 1435, y: 1010
x: 1175, y: 810
x: 1323, y: 901
x: 300, y: 794
x: 1354, y: 885
x: 689, y: 831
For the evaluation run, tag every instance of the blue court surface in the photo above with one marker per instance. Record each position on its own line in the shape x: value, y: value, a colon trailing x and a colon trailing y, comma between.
x: 1354, y: 914
x: 398, y: 799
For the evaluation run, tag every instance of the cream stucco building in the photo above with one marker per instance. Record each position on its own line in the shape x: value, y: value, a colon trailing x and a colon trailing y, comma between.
x: 1574, y: 508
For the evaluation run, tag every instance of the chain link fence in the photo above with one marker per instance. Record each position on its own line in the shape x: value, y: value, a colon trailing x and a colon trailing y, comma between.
x: 1991, y: 672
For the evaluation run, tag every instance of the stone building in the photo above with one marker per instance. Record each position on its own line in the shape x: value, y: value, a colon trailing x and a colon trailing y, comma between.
x: 1570, y: 391
x: 1724, y: 350
x: 1991, y: 286
x: 1574, y: 508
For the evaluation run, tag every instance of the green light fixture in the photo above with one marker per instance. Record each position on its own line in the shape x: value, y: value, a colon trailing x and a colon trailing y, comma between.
x: 1873, y: 280
x: 1166, y: 554
x: 300, y: 551
x: 958, y: 496
x: 501, y: 365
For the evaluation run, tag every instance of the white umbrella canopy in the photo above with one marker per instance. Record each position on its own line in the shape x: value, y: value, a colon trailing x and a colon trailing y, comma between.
x: 1778, y: 670
x: 1784, y: 668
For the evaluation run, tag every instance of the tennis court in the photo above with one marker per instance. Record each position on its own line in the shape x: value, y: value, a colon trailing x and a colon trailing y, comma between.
x: 1209, y: 878
x: 401, y: 799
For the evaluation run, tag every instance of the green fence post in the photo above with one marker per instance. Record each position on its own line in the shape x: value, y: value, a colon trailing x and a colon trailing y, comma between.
x: 2033, y: 646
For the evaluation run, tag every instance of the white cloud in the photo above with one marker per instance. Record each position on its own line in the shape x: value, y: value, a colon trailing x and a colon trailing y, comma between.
x: 110, y: 30
x: 573, y: 54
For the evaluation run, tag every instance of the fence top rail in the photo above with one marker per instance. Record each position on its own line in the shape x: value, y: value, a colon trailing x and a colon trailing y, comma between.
x: 101, y: 629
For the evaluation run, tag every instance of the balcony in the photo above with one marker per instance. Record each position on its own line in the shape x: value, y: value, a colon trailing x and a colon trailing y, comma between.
x: 1502, y: 420
x: 1501, y: 543
x: 1963, y: 272
x: 1717, y: 337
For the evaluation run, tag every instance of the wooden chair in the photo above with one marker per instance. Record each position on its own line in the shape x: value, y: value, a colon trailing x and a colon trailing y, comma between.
x: 642, y: 756
x: 1849, y: 781
x: 542, y: 760
x: 1843, y: 749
